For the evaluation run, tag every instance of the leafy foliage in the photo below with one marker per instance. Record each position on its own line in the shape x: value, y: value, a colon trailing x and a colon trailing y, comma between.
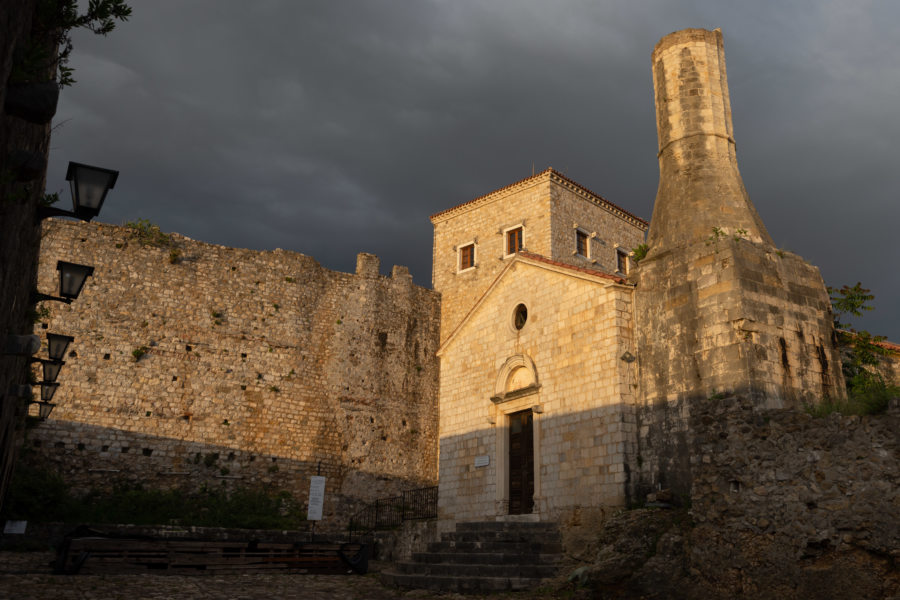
x: 640, y: 252
x: 849, y: 301
x: 38, y: 314
x: 860, y: 401
x: 860, y: 350
x: 37, y: 494
x: 51, y: 42
x: 49, y: 199
x: 861, y: 354
x: 149, y: 233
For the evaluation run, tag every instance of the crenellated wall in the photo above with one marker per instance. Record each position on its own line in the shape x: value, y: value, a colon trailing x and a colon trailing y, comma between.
x: 223, y: 366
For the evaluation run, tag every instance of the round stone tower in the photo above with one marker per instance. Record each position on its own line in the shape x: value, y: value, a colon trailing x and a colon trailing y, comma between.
x: 718, y: 310
x: 700, y: 187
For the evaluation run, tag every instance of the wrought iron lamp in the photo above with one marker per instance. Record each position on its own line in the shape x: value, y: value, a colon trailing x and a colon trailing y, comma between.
x: 57, y: 345
x: 51, y: 369
x: 89, y: 188
x: 71, y: 281
x: 48, y: 389
x: 44, y: 409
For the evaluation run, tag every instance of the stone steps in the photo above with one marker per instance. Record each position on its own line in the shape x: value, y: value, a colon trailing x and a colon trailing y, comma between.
x: 483, y: 557
x: 492, y: 546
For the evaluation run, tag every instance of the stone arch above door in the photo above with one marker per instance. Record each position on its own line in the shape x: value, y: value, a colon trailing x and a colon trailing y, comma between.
x: 516, y: 377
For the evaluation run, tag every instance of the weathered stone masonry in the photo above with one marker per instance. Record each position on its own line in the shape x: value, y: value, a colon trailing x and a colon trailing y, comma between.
x: 791, y: 506
x: 257, y: 368
x: 719, y: 309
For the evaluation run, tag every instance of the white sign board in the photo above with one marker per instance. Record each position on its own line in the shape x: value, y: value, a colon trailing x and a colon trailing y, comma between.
x: 482, y: 461
x: 316, y: 498
x: 15, y: 527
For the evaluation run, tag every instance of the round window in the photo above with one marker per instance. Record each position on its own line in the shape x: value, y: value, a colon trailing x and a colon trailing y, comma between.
x: 520, y: 315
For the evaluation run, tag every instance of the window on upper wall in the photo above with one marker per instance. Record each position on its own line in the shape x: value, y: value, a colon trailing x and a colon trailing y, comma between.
x: 582, y: 248
x: 466, y: 257
x: 513, y: 240
x: 621, y: 261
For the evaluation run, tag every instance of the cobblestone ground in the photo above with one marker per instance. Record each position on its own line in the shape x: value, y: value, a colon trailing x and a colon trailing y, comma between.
x: 28, y: 576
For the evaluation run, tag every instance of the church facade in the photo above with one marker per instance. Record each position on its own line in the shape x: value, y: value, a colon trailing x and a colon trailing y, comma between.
x: 537, y: 375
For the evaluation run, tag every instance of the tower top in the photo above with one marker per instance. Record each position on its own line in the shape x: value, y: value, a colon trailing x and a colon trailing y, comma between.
x: 700, y: 187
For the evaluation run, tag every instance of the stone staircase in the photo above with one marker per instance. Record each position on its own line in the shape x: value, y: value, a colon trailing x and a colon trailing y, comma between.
x: 483, y: 557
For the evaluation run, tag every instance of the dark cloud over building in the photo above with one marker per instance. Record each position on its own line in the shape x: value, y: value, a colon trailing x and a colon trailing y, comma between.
x: 336, y: 127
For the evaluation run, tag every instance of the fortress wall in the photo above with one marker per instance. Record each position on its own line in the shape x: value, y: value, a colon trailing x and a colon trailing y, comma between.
x: 792, y: 506
x: 258, y: 368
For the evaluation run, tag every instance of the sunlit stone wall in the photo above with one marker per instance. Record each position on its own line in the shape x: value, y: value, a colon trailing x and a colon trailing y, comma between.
x: 221, y: 366
x: 578, y: 327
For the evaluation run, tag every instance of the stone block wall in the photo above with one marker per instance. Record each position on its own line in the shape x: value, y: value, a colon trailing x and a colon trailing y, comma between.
x: 483, y: 222
x: 726, y: 317
x: 546, y: 205
x: 223, y: 366
x: 577, y: 329
x: 792, y: 506
x: 609, y: 227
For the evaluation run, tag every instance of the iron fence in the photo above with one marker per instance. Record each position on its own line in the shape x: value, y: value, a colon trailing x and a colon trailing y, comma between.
x: 388, y: 513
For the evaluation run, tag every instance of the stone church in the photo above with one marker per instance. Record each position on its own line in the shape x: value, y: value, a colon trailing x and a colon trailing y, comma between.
x: 548, y: 371
x: 537, y: 346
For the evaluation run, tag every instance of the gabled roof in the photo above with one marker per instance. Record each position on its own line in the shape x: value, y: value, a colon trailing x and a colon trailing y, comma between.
x: 542, y: 262
x: 549, y: 174
x: 530, y: 256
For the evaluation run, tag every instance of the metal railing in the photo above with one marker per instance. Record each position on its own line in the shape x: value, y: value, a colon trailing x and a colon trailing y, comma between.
x: 388, y: 513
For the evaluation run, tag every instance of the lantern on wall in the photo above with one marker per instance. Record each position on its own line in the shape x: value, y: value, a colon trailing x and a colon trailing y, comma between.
x: 57, y: 344
x: 89, y: 187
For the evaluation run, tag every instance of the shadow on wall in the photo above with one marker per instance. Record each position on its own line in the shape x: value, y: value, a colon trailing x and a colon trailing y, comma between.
x: 585, y: 458
x: 89, y: 458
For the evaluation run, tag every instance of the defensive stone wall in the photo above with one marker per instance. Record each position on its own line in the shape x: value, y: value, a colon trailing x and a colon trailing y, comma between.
x: 792, y: 506
x: 195, y: 364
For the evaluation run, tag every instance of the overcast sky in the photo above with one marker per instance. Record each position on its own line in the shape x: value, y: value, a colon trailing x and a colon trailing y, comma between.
x: 335, y: 127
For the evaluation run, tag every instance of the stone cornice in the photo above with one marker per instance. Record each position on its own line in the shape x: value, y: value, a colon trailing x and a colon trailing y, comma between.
x: 548, y: 175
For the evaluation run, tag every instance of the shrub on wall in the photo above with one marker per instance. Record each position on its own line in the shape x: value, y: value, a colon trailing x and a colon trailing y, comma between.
x: 39, y: 495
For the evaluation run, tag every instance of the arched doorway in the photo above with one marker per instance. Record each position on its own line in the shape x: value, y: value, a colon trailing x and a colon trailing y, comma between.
x: 516, y: 395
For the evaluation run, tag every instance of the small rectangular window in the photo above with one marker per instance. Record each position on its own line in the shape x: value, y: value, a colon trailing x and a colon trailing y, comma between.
x: 622, y: 262
x: 513, y: 240
x: 466, y: 257
x: 581, y: 243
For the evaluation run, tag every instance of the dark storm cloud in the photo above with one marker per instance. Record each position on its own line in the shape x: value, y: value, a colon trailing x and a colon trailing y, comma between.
x: 330, y: 128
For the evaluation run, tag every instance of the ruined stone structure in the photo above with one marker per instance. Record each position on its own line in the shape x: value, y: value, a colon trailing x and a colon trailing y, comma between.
x: 719, y: 309
x: 791, y: 506
x: 220, y: 366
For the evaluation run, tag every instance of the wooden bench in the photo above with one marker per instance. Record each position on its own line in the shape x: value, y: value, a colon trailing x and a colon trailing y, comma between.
x: 94, y: 555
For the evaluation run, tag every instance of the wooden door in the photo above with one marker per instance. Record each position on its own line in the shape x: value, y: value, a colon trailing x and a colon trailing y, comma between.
x: 521, y: 463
